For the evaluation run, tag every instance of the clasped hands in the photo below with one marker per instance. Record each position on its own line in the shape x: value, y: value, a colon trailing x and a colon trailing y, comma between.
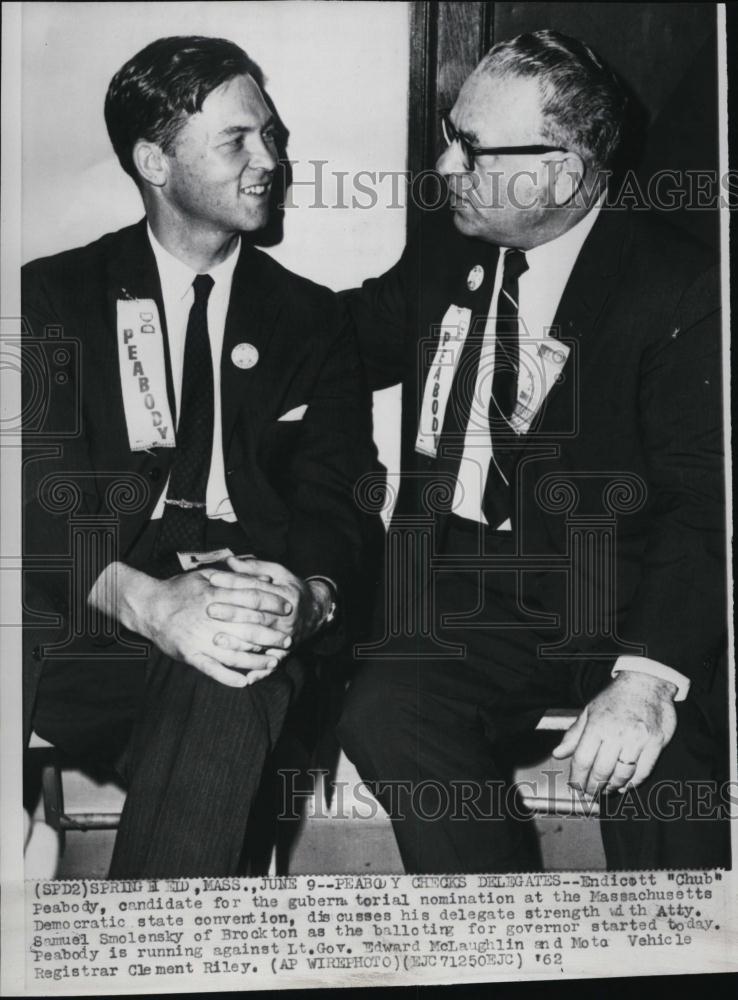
x: 618, y: 737
x: 236, y: 625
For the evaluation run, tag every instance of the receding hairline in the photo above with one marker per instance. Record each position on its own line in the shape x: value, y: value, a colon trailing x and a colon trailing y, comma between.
x: 552, y: 79
x: 478, y: 74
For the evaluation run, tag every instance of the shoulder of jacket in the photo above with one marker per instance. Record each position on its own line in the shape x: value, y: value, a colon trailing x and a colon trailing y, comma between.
x: 294, y: 287
x: 79, y: 259
x: 669, y: 245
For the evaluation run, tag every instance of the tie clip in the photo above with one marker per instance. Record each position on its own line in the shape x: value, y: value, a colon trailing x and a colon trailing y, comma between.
x: 186, y: 504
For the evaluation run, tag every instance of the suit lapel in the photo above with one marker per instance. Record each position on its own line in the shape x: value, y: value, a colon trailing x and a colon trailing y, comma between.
x: 467, y: 271
x: 132, y: 273
x: 593, y: 276
x: 583, y: 303
x: 252, y: 316
x: 468, y: 284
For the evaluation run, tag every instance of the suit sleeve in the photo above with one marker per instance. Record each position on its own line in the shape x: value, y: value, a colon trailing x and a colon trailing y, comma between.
x: 679, y: 609
x: 328, y: 528
x: 381, y: 312
x: 55, y: 471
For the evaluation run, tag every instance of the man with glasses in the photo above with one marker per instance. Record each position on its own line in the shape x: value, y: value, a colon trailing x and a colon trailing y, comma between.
x: 558, y: 535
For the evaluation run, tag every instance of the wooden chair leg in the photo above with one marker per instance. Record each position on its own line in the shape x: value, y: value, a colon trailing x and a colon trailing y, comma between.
x: 53, y: 794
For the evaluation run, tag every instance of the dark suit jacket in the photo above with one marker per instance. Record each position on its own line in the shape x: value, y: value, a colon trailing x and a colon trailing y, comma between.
x: 291, y: 482
x: 639, y: 404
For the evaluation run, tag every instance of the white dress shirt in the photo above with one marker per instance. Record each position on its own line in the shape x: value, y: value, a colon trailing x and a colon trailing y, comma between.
x: 540, y: 290
x: 539, y: 293
x: 178, y: 295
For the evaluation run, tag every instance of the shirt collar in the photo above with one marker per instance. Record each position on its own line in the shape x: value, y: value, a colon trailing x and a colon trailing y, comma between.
x: 176, y: 278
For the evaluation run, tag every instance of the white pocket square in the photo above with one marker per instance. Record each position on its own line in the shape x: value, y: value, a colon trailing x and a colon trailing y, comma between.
x: 297, y: 414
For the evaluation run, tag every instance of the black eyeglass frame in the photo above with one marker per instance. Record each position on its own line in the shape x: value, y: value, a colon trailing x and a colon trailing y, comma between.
x: 452, y: 135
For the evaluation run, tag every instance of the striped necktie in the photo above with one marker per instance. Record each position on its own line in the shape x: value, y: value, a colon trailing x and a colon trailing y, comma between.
x: 498, y: 498
x: 507, y: 341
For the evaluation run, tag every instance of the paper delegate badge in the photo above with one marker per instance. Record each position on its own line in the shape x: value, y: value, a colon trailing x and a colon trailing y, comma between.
x: 143, y: 375
x: 541, y: 364
x: 475, y: 278
x: 454, y: 329
x: 244, y: 355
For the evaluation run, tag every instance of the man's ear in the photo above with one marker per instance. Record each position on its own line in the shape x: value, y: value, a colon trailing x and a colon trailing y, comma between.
x: 566, y: 179
x: 150, y: 162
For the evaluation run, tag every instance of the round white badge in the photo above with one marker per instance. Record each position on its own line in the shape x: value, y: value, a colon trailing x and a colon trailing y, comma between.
x: 475, y: 278
x: 244, y: 355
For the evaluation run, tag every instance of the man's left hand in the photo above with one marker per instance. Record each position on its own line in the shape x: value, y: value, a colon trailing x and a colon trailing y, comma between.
x: 619, y: 736
x: 308, y: 601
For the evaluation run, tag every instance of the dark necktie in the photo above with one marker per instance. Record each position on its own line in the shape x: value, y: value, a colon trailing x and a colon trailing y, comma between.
x: 184, y: 520
x: 498, y: 496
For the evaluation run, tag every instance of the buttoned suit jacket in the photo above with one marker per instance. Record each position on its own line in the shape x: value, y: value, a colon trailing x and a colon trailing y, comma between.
x: 290, y: 481
x: 629, y: 442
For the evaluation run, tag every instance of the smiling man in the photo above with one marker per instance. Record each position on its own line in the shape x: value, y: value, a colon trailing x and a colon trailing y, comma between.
x: 218, y: 398
x: 562, y: 465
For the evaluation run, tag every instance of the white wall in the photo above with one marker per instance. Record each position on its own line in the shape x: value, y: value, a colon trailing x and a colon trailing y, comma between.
x: 337, y: 72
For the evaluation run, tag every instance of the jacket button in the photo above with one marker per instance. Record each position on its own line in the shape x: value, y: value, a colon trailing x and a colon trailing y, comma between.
x: 154, y: 474
x: 36, y: 653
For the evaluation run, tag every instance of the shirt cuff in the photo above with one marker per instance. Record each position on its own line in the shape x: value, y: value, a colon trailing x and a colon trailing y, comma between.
x: 327, y: 580
x: 642, y: 665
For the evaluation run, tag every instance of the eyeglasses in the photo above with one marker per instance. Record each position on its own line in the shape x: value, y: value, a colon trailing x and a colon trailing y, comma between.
x: 469, y: 152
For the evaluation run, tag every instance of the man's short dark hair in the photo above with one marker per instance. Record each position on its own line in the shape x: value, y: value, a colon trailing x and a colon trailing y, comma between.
x: 153, y: 94
x: 582, y: 101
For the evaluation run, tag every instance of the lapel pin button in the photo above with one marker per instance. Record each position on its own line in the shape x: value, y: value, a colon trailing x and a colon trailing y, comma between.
x: 475, y: 278
x: 244, y: 355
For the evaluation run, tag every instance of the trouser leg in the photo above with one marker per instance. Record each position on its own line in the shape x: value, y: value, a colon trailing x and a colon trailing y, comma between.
x: 87, y: 708
x: 428, y: 760
x: 197, y: 761
x: 441, y: 725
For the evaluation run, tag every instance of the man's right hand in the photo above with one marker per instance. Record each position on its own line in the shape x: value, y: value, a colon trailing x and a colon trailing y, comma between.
x: 173, y: 615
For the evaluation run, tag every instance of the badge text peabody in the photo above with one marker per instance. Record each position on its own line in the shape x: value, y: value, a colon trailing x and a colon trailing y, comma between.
x: 143, y: 375
x: 454, y: 328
